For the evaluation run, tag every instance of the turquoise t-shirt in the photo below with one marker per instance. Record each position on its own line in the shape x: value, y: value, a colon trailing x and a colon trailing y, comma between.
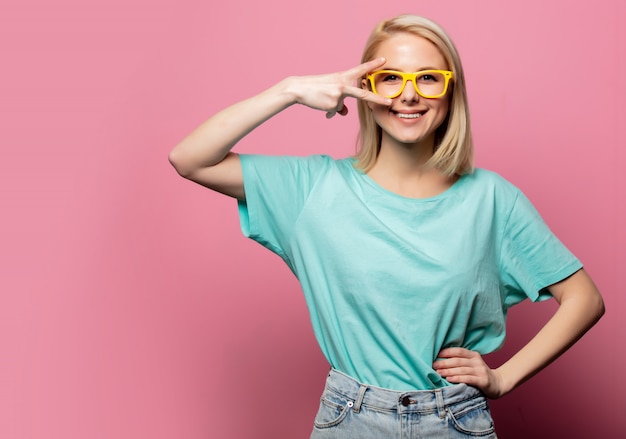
x: 389, y: 281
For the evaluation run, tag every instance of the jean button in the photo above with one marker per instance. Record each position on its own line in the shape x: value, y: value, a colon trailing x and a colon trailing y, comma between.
x: 405, y: 401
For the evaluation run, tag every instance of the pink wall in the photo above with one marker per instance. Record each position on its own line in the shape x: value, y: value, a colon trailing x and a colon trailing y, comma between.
x: 130, y: 304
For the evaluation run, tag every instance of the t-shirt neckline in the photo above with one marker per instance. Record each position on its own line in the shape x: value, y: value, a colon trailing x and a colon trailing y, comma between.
x: 378, y: 188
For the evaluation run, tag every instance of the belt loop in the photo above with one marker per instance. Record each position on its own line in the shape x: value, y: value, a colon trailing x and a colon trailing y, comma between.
x: 359, y: 398
x: 441, y: 408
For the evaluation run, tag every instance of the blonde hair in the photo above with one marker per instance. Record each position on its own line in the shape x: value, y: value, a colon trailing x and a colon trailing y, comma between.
x: 454, y: 150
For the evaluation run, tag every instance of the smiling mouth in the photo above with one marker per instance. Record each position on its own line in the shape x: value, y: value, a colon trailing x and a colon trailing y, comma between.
x: 408, y: 115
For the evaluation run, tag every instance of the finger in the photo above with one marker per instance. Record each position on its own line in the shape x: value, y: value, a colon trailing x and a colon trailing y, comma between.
x: 457, y: 371
x: 341, y: 109
x: 366, y: 67
x: 450, y: 363
x: 455, y: 352
x: 366, y: 95
x: 466, y: 379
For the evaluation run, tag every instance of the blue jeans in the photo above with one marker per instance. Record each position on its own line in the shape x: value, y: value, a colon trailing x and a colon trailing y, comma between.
x: 349, y: 409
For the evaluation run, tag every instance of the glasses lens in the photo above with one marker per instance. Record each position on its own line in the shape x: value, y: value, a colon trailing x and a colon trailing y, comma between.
x: 429, y: 83
x: 387, y: 84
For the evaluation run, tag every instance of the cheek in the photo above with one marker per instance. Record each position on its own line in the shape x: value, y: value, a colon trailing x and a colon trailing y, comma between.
x: 443, y: 108
x: 380, y: 113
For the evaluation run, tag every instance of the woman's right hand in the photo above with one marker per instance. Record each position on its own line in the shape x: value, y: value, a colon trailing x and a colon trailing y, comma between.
x: 327, y: 92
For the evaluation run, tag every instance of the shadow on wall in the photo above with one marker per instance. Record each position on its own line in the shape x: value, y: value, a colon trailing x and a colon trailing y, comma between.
x: 555, y: 403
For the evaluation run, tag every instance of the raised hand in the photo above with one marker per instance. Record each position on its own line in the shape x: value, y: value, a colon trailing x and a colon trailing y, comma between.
x: 327, y: 92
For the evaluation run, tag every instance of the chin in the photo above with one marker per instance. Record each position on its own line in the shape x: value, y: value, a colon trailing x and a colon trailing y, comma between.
x: 413, y: 140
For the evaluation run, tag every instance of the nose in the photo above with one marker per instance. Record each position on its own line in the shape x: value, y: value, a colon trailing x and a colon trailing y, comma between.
x: 409, y: 94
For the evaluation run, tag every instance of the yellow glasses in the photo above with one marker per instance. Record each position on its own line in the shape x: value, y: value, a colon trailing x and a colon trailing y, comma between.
x: 428, y: 83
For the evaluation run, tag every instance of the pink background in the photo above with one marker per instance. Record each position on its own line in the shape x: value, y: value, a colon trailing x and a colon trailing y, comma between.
x: 132, y: 307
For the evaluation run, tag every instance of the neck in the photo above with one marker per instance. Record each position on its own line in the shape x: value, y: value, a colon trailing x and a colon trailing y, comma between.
x: 399, y: 168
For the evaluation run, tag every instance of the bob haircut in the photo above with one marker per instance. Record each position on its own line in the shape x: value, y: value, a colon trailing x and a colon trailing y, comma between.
x: 454, y: 148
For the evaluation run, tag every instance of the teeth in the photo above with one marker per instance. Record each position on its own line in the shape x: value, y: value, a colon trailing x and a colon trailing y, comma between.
x: 409, y: 116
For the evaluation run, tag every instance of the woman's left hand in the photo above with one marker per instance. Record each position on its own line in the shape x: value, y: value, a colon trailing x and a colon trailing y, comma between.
x: 460, y: 365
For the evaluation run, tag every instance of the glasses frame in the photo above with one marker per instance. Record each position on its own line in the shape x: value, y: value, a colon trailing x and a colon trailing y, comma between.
x: 447, y: 74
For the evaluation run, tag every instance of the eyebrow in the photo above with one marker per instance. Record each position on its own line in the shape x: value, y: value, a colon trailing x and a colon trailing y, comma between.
x: 420, y: 70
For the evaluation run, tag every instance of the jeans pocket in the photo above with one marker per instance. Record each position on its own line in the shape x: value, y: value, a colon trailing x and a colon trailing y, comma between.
x: 332, y: 411
x: 472, y: 418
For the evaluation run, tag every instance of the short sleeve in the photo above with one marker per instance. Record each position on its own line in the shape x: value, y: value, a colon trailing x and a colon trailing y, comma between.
x: 532, y: 257
x: 276, y: 190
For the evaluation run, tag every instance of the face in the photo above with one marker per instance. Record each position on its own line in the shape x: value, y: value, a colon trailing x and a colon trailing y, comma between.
x: 411, y: 118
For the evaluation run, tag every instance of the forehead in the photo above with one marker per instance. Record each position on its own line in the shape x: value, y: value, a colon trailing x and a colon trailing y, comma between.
x: 408, y: 52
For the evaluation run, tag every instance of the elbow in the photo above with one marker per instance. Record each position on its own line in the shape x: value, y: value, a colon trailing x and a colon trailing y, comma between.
x: 594, y: 305
x: 582, y: 291
x: 599, y: 307
x: 177, y: 161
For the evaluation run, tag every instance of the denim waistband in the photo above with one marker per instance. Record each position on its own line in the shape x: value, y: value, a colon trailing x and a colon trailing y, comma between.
x: 410, y: 401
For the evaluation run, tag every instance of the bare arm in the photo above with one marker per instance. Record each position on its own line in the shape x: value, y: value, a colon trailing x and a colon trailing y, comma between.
x: 205, y: 156
x: 580, y: 307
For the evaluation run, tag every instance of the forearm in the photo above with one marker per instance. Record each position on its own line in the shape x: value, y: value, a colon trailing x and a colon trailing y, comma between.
x: 209, y: 144
x: 580, y: 308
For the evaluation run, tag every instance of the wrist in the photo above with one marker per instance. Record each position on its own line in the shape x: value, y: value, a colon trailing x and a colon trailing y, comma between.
x: 507, y: 379
x: 289, y: 90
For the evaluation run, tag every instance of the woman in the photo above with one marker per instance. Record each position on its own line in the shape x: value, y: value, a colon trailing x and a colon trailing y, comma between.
x: 408, y: 257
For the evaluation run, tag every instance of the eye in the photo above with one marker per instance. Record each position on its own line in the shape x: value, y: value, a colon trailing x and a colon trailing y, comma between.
x: 429, y: 77
x: 390, y: 77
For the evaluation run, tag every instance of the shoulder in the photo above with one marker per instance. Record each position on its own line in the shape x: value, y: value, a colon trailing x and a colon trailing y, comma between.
x: 491, y: 182
x: 287, y: 171
x: 488, y: 177
x: 490, y: 191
